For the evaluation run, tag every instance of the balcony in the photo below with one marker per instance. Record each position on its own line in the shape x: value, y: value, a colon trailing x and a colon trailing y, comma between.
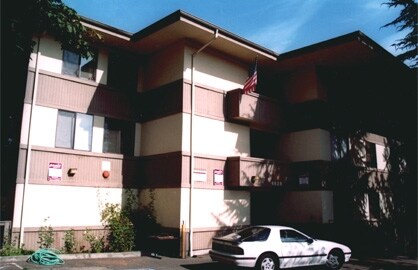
x: 257, y: 172
x: 257, y: 111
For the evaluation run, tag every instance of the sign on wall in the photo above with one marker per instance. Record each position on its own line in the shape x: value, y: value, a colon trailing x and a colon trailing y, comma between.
x: 200, y: 175
x: 54, y: 171
x: 218, y: 177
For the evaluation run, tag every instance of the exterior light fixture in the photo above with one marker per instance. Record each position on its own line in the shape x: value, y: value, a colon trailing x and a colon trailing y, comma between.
x: 72, y: 171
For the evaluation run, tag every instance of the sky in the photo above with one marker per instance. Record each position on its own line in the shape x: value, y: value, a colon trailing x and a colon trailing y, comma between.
x: 278, y: 25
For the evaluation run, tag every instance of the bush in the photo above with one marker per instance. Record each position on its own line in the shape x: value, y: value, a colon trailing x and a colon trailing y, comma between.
x: 70, y: 244
x: 121, y: 235
x: 96, y: 242
x: 46, y: 237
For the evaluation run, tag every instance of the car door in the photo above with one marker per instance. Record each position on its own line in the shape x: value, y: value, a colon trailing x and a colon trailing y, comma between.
x: 297, y: 249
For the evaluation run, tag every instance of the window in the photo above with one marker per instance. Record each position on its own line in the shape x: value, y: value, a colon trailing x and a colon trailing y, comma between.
x: 292, y: 236
x: 77, y: 66
x: 371, y: 160
x: 339, y: 147
x: 252, y: 234
x: 112, y: 138
x: 374, y: 205
x: 74, y: 130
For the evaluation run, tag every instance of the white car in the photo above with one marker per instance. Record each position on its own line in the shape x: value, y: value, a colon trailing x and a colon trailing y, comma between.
x: 276, y: 247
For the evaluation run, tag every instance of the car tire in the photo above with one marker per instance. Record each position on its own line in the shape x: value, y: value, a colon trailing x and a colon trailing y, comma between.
x: 267, y: 261
x: 335, y: 259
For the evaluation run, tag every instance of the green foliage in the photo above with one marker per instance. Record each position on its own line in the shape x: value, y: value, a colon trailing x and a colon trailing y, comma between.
x: 407, y: 20
x: 70, y: 244
x: 118, y: 221
x: 96, y: 242
x: 147, y: 221
x: 11, y: 248
x: 46, y: 236
x: 36, y: 17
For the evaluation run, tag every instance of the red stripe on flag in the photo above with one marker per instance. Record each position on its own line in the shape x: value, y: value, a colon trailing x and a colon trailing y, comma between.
x: 250, y: 84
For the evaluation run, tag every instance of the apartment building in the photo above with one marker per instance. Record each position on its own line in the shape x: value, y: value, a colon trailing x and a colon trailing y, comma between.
x: 162, y: 112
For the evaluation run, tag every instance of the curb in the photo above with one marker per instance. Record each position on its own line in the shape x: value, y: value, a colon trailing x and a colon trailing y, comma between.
x: 77, y: 256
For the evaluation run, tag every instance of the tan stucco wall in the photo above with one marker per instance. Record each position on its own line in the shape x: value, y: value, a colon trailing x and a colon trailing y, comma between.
x: 216, y: 208
x: 313, y: 144
x: 306, y: 207
x: 304, y: 85
x: 164, y: 67
x: 214, y: 70
x: 51, y: 58
x: 64, y: 206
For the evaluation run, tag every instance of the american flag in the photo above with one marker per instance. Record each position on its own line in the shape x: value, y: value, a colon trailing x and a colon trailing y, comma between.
x: 251, y: 83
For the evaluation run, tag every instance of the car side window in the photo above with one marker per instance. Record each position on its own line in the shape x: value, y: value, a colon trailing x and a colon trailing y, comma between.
x: 258, y: 235
x: 288, y: 236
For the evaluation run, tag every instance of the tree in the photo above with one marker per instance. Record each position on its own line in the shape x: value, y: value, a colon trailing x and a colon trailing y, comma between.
x: 21, y: 21
x: 407, y: 20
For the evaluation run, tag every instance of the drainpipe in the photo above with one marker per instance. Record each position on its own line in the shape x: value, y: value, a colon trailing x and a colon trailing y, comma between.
x: 29, y: 149
x: 191, y: 142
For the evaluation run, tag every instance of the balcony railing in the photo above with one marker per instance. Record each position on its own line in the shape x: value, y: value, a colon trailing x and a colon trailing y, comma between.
x: 246, y: 172
x: 253, y: 109
x: 256, y: 172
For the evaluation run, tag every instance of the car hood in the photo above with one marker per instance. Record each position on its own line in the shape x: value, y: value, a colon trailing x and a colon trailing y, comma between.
x: 330, y: 245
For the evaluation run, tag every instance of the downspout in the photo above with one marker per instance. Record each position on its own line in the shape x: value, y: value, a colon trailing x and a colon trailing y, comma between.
x: 192, y: 109
x: 29, y: 146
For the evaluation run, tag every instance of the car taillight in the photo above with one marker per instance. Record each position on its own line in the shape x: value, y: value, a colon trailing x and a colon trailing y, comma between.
x: 227, y: 248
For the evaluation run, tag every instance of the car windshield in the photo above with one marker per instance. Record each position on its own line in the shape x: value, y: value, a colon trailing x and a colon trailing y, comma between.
x: 253, y: 234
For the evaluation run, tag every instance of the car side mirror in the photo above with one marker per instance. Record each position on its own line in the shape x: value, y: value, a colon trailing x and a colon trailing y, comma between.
x: 310, y: 241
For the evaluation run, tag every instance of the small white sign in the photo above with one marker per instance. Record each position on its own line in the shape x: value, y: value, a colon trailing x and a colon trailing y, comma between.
x: 200, y: 175
x: 54, y: 171
x: 218, y: 177
x: 105, y: 166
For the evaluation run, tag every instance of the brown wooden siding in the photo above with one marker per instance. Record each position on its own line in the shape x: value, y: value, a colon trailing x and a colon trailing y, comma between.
x: 175, y: 98
x: 202, y: 237
x: 62, y: 92
x: 172, y: 170
x: 246, y: 172
x: 162, y: 101
x: 255, y: 110
x: 82, y: 245
x: 89, y: 171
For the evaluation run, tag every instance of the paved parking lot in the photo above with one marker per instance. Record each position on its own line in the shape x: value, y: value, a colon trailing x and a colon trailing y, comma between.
x: 197, y: 263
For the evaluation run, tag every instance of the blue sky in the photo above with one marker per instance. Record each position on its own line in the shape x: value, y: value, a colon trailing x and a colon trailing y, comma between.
x: 279, y: 25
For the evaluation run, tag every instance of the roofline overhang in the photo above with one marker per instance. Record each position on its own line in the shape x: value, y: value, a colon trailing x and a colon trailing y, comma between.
x: 107, y: 29
x: 180, y: 15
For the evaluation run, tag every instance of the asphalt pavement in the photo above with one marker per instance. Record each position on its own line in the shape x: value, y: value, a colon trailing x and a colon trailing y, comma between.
x: 138, y: 261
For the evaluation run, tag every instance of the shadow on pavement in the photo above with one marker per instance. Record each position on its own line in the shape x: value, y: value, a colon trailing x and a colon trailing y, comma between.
x: 210, y: 266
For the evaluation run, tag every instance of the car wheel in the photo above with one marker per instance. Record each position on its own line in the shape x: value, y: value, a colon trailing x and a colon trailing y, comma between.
x: 267, y: 261
x: 335, y: 259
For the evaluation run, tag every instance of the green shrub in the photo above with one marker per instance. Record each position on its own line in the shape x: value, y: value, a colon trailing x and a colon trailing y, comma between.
x: 70, y: 244
x: 96, y: 242
x: 46, y: 236
x: 121, y: 236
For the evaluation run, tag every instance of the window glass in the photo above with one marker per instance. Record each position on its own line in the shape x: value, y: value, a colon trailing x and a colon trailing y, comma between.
x: 83, y: 132
x: 292, y: 236
x: 77, y: 66
x: 65, y: 129
x: 253, y: 234
x: 339, y: 147
x: 74, y: 130
x: 371, y: 160
x: 374, y: 205
x: 112, y: 138
x: 71, y: 63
